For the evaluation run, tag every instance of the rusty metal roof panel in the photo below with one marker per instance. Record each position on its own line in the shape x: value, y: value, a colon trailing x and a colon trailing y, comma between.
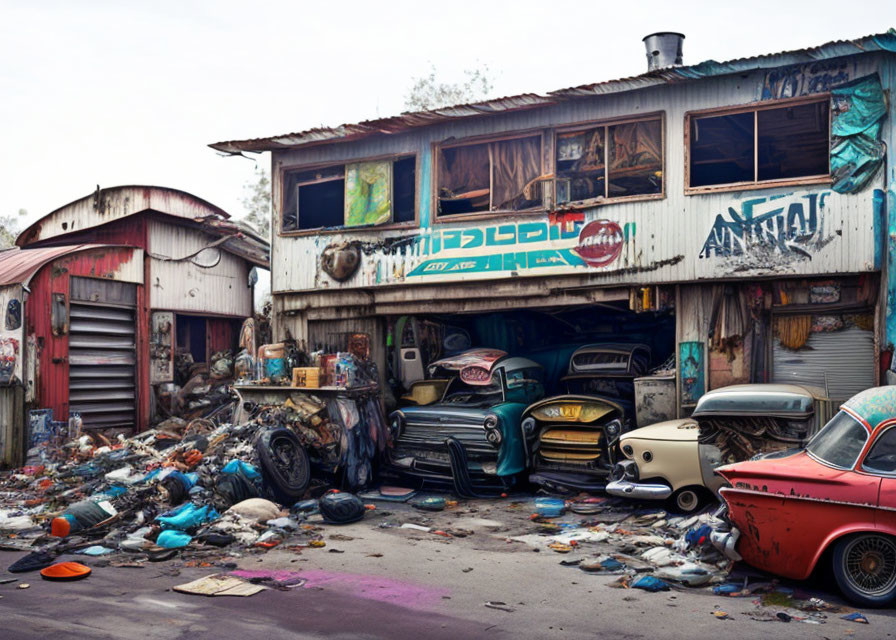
x: 406, y: 121
x: 18, y: 266
x: 394, y: 124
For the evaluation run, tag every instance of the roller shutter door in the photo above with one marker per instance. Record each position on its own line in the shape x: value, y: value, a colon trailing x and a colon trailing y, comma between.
x: 840, y: 361
x: 102, y: 357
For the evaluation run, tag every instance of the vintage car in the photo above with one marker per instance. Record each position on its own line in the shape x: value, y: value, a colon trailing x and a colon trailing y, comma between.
x: 470, y: 437
x: 675, y: 460
x: 571, y: 439
x: 835, y: 499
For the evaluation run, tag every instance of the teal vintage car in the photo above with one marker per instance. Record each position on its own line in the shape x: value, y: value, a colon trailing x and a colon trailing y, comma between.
x: 467, y: 434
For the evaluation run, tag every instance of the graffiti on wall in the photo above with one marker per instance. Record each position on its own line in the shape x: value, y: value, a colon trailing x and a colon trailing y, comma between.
x: 789, y: 225
x: 561, y: 240
x: 805, y: 79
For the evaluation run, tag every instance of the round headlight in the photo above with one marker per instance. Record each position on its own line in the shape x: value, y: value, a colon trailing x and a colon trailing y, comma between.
x: 612, y: 428
x: 647, y: 456
x: 627, y: 450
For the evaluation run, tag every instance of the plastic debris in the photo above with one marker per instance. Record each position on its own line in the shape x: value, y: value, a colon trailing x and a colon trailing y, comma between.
x: 855, y: 617
x: 651, y: 584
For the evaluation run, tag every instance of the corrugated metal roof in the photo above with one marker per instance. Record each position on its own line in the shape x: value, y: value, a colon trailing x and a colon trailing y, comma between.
x: 17, y: 266
x: 347, y: 132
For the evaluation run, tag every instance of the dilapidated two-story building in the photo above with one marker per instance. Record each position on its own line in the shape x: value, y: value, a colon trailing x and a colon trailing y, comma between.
x: 734, y: 216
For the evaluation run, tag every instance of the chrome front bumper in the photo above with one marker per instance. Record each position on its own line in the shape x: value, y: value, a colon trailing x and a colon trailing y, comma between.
x: 638, y: 491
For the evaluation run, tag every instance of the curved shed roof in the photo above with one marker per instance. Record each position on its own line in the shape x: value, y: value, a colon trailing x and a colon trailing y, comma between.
x: 18, y: 266
x: 115, y: 203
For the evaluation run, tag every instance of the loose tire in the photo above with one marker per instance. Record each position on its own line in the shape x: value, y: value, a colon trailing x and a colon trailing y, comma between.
x: 865, y: 569
x: 285, y: 466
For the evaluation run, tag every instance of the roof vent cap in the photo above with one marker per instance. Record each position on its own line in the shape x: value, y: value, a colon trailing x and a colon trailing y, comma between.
x: 663, y: 49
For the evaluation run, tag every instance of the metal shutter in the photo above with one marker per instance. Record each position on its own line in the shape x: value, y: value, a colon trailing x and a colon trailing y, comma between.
x: 840, y: 361
x: 102, y: 357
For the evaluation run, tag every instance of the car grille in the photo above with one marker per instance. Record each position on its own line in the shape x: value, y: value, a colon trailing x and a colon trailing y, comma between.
x: 425, y: 441
x: 572, y: 449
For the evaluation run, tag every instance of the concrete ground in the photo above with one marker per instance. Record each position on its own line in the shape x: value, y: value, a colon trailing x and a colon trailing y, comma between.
x: 373, y: 582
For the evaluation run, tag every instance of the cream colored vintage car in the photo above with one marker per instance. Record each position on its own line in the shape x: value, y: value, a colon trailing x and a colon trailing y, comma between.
x: 675, y: 460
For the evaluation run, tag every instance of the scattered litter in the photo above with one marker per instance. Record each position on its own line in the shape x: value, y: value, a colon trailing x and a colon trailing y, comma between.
x: 23, y: 585
x: 855, y: 617
x: 416, y: 527
x: 220, y: 585
x: 721, y: 615
x: 651, y: 584
x: 501, y: 606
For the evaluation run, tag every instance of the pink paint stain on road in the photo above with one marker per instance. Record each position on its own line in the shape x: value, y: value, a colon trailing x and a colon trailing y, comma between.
x: 405, y: 594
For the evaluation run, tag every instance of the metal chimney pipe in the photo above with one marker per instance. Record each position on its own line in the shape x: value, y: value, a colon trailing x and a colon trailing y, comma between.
x: 663, y: 49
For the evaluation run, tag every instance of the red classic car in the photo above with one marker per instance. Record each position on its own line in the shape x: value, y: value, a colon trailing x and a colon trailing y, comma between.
x: 838, y: 494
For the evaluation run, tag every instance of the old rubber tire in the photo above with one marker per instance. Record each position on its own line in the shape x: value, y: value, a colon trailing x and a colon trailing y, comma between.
x: 285, y: 467
x: 686, y: 500
x: 865, y: 569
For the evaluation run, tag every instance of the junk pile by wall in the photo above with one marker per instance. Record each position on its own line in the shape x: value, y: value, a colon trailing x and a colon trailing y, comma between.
x: 199, y: 483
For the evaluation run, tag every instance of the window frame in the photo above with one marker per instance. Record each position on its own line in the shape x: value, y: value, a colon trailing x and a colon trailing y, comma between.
x: 437, y: 147
x: 869, y: 448
x: 392, y: 157
x: 755, y: 108
x: 607, y: 123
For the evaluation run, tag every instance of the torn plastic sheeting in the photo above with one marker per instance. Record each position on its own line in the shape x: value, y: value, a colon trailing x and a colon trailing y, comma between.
x: 582, y: 535
x: 857, y: 151
x: 187, y: 517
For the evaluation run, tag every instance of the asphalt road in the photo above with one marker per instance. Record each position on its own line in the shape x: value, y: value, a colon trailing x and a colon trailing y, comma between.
x: 394, y: 583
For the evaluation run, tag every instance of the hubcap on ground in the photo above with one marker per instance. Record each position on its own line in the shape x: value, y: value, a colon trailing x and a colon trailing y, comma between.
x: 687, y: 500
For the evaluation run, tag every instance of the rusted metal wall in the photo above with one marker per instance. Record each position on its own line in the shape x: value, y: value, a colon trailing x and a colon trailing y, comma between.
x: 50, y: 352
x: 12, y: 431
x: 679, y: 238
x: 179, y: 283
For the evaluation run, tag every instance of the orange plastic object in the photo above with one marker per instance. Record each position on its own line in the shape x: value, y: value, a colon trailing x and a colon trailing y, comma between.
x: 65, y: 571
x: 60, y: 528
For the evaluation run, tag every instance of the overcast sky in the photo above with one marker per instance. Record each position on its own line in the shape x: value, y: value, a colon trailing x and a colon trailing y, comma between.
x: 116, y: 92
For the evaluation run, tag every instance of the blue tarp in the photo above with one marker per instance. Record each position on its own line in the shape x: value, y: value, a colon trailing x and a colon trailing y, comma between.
x: 857, y: 151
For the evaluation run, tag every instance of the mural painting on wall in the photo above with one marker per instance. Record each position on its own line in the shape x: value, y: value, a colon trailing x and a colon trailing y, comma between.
x: 692, y: 372
x: 9, y: 356
x: 561, y: 240
x: 765, y: 230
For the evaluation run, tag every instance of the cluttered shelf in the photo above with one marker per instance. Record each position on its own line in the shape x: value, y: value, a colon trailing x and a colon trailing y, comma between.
x: 276, y: 387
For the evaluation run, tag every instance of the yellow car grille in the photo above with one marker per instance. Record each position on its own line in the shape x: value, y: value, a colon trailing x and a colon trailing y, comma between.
x: 572, y: 446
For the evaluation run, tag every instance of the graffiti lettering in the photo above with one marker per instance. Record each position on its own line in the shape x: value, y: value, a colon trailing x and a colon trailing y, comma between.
x: 789, y: 228
x: 801, y: 80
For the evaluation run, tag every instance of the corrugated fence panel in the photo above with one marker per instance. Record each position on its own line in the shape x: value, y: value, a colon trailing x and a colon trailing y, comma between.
x: 176, y: 284
x: 12, y: 426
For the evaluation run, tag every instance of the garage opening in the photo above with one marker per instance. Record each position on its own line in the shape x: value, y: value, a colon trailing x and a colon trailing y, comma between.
x: 549, y: 337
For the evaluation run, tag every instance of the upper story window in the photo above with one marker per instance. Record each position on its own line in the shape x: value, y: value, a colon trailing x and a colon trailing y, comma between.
x: 610, y: 161
x: 741, y: 147
x: 503, y: 175
x: 349, y: 195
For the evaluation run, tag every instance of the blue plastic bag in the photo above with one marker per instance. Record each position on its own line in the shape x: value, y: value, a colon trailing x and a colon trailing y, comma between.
x: 550, y: 507
x: 187, y: 516
x: 651, y: 584
x: 171, y: 539
x: 236, y: 466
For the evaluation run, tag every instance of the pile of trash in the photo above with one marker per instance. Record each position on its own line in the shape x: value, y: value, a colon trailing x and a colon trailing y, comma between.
x: 648, y: 549
x: 200, y: 389
x: 193, y: 486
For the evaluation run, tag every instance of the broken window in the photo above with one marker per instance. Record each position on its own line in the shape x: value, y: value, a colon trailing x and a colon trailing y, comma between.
x: 634, y: 151
x: 757, y: 145
x: 349, y: 195
x: 13, y: 315
x: 504, y: 175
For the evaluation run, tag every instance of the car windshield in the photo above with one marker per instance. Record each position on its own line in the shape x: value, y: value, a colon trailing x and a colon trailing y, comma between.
x: 474, y: 395
x: 839, y: 442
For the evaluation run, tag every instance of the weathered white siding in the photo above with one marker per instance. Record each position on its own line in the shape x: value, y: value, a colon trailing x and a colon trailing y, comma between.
x: 179, y: 284
x: 680, y: 238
